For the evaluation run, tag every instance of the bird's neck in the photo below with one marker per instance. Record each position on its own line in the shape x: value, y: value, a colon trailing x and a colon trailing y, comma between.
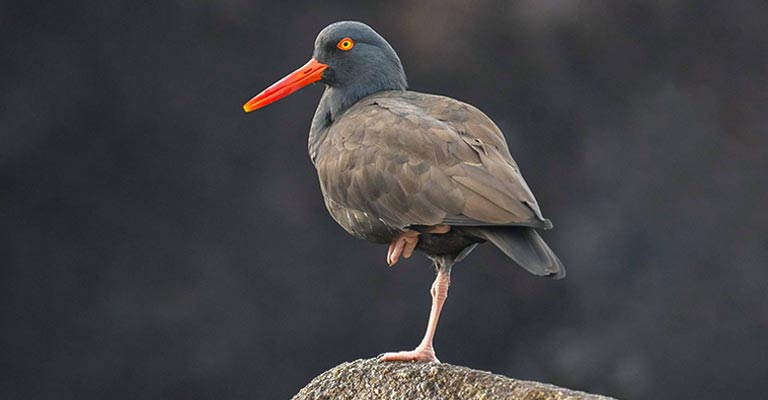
x: 336, y: 100
x: 322, y: 120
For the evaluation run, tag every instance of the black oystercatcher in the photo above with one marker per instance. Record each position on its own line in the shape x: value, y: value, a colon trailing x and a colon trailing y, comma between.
x: 415, y: 171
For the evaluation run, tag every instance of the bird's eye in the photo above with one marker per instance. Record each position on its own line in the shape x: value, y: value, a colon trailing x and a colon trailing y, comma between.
x: 345, y: 44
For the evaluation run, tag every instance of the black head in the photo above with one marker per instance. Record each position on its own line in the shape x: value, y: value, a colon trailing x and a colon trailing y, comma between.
x: 351, y: 59
x: 358, y: 58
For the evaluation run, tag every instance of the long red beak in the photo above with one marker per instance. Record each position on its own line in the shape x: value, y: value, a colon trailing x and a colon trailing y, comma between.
x: 309, y: 73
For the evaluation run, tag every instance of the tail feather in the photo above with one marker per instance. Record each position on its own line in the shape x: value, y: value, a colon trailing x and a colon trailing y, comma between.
x: 525, y: 247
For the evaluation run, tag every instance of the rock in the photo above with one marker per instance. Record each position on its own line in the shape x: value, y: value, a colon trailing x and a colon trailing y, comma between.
x: 376, y: 380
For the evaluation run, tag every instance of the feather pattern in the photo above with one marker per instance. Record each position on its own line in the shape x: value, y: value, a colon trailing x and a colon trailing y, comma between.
x: 398, y: 159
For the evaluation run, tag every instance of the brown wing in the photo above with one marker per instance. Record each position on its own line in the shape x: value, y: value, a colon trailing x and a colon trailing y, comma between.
x: 397, y: 159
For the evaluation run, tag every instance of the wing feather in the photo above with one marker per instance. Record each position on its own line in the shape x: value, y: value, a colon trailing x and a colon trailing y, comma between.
x: 400, y: 159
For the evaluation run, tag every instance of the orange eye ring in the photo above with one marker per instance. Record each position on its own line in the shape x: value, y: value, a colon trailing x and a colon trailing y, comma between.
x: 345, y: 44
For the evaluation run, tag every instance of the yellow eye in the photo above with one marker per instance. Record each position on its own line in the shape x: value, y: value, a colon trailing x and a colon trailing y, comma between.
x: 345, y: 44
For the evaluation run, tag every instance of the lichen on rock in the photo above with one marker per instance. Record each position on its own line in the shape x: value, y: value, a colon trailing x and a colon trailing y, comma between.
x: 372, y: 379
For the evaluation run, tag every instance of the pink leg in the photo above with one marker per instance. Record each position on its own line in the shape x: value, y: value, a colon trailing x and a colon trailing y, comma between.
x: 425, y: 350
x: 405, y: 242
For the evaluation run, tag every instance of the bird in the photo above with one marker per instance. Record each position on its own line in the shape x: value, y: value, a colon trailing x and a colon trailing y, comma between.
x: 412, y: 170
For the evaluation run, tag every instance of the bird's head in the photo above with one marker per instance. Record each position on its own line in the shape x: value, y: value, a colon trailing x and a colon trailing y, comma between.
x: 349, y: 57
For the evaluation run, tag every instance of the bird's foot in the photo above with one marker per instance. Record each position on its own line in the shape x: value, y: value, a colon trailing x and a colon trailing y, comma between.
x: 402, y: 244
x: 405, y: 242
x: 423, y: 354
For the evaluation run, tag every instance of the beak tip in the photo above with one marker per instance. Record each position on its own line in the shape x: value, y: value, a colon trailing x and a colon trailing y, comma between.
x: 311, y: 72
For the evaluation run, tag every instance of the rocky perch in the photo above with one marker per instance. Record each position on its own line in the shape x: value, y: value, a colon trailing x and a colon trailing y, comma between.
x: 375, y: 380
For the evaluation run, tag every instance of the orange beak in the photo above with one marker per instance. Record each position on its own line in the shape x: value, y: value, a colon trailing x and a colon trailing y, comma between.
x: 309, y: 73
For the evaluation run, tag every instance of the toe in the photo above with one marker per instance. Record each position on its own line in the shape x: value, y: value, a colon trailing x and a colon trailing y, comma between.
x: 410, y: 246
x: 396, y: 251
x: 404, y: 243
x: 390, y: 252
x: 415, y: 355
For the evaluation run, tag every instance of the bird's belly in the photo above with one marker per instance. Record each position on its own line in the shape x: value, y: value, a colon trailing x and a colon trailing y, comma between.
x: 451, y: 243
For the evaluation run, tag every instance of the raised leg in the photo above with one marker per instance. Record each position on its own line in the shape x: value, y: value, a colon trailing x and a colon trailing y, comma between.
x: 425, y: 351
x: 405, y: 242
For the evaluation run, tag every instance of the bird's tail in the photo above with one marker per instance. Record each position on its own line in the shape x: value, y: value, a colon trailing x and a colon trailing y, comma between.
x: 525, y: 247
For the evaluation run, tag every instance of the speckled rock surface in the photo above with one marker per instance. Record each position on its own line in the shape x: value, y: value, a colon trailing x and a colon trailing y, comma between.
x: 372, y: 379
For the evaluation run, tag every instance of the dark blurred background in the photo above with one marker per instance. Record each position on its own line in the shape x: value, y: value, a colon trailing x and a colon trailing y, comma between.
x: 157, y: 242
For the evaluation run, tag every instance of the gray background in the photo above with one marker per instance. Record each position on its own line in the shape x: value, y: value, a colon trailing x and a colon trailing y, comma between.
x: 157, y: 242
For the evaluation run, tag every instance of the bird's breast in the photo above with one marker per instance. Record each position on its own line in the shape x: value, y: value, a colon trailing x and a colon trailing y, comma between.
x: 360, y: 223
